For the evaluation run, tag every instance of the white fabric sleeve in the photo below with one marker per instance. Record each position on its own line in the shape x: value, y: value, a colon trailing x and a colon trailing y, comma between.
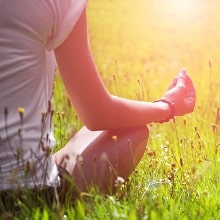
x: 66, y: 14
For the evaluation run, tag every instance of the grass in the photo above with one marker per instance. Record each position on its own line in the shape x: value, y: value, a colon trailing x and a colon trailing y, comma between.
x: 138, y: 49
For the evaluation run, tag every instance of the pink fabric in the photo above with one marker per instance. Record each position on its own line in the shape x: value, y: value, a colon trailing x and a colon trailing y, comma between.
x: 29, y: 32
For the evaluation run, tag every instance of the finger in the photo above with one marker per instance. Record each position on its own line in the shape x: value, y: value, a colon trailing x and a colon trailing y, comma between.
x: 182, y: 74
x: 173, y: 83
x: 181, y: 82
x: 183, y: 70
x: 181, y: 78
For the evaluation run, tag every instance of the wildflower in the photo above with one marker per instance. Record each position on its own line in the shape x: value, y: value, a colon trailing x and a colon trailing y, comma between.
x: 119, y: 181
x: 181, y: 161
x: 114, y: 137
x: 214, y: 127
x: 58, y: 113
x: 151, y: 153
x: 21, y: 112
x: 68, y: 101
x: 198, y: 135
x: 217, y: 119
x: 193, y: 169
x: 173, y: 165
x: 206, y: 193
x: 62, y: 114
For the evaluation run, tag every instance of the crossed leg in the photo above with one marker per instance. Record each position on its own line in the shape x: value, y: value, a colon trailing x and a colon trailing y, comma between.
x: 99, y: 157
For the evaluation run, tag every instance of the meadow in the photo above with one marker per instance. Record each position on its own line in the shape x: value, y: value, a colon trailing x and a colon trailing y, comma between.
x: 138, y: 48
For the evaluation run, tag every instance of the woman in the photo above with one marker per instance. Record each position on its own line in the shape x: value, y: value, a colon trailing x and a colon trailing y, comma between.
x: 115, y: 134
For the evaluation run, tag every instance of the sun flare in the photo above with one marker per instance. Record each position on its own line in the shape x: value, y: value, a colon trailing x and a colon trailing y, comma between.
x: 183, y: 6
x: 188, y: 12
x: 186, y: 8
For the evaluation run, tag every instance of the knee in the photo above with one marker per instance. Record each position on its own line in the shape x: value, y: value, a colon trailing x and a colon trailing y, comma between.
x: 145, y: 134
x: 140, y: 139
x: 140, y: 135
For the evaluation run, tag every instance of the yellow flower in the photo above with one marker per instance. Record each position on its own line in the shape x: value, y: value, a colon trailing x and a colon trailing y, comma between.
x: 21, y: 110
x: 114, y: 138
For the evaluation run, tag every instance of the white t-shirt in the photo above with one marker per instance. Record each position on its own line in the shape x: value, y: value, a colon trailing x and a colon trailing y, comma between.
x: 29, y: 32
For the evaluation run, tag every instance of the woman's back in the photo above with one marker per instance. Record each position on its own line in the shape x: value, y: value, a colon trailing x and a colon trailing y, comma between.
x: 29, y: 31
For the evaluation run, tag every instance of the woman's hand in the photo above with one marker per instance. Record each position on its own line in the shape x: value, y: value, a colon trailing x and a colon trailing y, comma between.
x: 182, y: 93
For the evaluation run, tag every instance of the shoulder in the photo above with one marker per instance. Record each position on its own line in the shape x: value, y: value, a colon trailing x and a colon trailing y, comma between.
x: 47, y: 21
x: 66, y: 14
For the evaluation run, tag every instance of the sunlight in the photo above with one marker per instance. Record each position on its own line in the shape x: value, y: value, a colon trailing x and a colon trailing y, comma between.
x: 186, y: 9
x: 183, y: 6
x: 189, y: 12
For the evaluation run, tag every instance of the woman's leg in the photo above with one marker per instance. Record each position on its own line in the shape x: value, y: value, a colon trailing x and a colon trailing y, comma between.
x: 99, y: 157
